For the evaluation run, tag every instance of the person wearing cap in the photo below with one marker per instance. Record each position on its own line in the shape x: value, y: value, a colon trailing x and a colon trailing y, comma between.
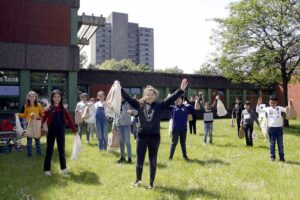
x: 179, y: 115
x: 237, y: 113
x: 275, y: 125
x: 80, y: 107
x: 248, y: 117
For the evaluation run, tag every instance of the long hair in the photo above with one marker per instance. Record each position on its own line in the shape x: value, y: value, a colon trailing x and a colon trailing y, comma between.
x: 54, y: 92
x: 148, y: 88
x: 28, y: 100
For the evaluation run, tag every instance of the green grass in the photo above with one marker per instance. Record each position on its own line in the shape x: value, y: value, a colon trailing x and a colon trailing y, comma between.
x: 225, y: 170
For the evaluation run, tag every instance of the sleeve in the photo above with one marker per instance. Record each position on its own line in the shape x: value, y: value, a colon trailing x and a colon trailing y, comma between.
x: 191, y: 109
x: 23, y: 115
x: 41, y: 110
x: 282, y: 109
x: 77, y: 109
x: 255, y: 118
x: 133, y: 102
x: 170, y: 100
x: 45, y: 116
x: 233, y: 114
x: 258, y: 110
x: 70, y: 121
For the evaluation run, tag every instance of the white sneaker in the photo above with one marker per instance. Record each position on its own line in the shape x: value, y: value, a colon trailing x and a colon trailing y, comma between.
x: 47, y: 173
x: 64, y: 171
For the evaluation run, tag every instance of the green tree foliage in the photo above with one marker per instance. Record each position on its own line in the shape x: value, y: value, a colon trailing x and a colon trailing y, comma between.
x: 123, y: 65
x: 259, y: 42
x: 209, y: 70
x: 171, y: 70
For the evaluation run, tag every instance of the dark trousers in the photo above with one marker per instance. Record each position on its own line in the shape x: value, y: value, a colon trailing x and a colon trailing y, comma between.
x: 59, y: 135
x: 144, y: 143
x: 248, y: 129
x: 276, y: 134
x: 238, y: 123
x: 175, y: 136
x: 192, y: 125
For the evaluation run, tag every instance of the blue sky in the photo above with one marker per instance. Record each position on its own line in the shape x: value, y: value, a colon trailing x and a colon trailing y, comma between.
x: 181, y: 27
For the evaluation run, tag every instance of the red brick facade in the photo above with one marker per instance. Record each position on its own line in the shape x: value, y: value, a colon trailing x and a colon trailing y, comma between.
x: 293, y: 93
x: 29, y: 21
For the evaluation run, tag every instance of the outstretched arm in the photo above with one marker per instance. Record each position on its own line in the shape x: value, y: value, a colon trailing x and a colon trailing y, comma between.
x: 133, y: 102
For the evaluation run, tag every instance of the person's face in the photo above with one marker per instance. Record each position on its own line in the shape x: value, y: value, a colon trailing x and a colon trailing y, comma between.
x: 92, y: 101
x: 178, y: 101
x: 238, y: 101
x: 150, y: 97
x: 192, y: 98
x: 101, y: 97
x: 247, y: 106
x: 56, y: 99
x: 84, y: 98
x: 31, y: 98
x: 273, y: 103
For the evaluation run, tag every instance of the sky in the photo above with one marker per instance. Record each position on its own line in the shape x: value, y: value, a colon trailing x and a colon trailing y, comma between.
x: 181, y: 27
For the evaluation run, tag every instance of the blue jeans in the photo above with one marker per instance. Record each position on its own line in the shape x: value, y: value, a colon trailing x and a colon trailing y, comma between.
x: 208, y: 128
x: 37, y: 145
x: 124, y: 133
x: 276, y: 134
x: 101, y: 130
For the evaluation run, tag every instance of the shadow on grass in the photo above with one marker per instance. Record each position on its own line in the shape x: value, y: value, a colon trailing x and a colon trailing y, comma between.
x: 208, y: 162
x: 226, y: 145
x: 85, y: 177
x: 262, y: 147
x: 293, y: 130
x: 186, y: 193
x: 292, y: 162
x: 158, y: 165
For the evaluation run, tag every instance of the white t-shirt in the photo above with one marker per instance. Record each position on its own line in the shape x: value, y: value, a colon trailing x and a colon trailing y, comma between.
x: 98, y: 104
x: 81, y: 106
x: 274, y: 115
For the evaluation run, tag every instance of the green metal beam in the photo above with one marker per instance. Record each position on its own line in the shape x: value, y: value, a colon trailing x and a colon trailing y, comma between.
x: 24, y: 86
x: 72, y: 88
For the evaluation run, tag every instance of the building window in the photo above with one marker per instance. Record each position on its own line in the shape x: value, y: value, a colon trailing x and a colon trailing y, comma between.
x: 233, y: 94
x: 134, y: 91
x: 9, y: 76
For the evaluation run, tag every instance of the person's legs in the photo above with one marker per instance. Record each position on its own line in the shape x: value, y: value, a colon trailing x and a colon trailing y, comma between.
x: 49, y: 151
x: 280, y: 143
x: 60, y: 140
x: 38, y: 146
x: 194, y: 125
x: 120, y: 130
x: 29, y: 146
x: 104, y: 132
x: 126, y: 132
x: 250, y: 130
x: 191, y: 126
x: 205, y: 132
x: 210, y: 131
x: 175, y: 136
x: 153, y: 147
x: 99, y: 134
x: 183, y: 144
x: 141, y: 149
x: 272, y: 139
x: 238, y: 123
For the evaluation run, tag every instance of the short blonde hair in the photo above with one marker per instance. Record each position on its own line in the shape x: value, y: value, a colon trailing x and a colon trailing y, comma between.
x: 150, y: 88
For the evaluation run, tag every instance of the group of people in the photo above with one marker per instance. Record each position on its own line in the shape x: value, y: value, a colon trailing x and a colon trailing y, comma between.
x: 147, y: 112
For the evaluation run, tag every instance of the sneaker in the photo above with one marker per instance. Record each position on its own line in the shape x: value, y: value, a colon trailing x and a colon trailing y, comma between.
x: 121, y: 160
x: 151, y: 186
x: 47, y: 173
x: 282, y: 160
x: 137, y: 183
x: 129, y: 161
x: 29, y: 155
x: 64, y: 171
x: 272, y: 159
x: 186, y: 158
x: 204, y: 143
x: 170, y: 157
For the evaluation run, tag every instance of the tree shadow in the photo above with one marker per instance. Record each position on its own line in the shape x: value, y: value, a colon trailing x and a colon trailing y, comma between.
x: 226, y: 145
x: 158, y: 165
x: 85, y: 177
x: 208, y: 162
x: 186, y: 193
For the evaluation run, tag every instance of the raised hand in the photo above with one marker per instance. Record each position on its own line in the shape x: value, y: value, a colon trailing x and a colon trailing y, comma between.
x: 184, y: 84
x: 259, y: 101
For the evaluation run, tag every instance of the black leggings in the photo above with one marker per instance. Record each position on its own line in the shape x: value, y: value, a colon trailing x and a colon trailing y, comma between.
x: 192, y: 125
x: 59, y: 135
x: 152, y: 144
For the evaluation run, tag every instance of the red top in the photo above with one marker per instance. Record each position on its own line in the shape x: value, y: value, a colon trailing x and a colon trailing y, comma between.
x: 68, y: 119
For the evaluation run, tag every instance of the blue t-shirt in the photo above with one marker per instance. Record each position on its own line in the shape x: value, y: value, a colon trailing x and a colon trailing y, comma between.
x: 180, y: 116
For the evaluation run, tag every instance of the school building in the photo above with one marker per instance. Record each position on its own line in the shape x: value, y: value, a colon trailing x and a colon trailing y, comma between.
x: 40, y: 42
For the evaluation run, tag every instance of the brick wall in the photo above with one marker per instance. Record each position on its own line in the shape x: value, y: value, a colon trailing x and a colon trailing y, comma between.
x: 30, y: 21
x: 294, y: 93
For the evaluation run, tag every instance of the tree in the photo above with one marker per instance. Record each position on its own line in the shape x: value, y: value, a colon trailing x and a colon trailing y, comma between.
x: 123, y: 65
x: 208, y: 69
x: 259, y: 42
x: 172, y: 70
x: 83, y: 59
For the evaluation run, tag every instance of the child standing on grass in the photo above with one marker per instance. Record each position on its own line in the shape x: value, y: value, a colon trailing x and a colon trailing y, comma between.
x: 275, y: 125
x: 80, y: 108
x: 237, y: 113
x: 91, y: 121
x: 32, y: 110
x: 101, y: 121
x: 179, y: 113
x: 247, y: 120
x: 56, y: 117
x: 149, y: 112
x: 123, y: 124
x: 208, y: 118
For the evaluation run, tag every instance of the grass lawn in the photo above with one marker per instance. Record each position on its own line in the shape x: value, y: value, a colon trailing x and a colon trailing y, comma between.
x: 225, y: 170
